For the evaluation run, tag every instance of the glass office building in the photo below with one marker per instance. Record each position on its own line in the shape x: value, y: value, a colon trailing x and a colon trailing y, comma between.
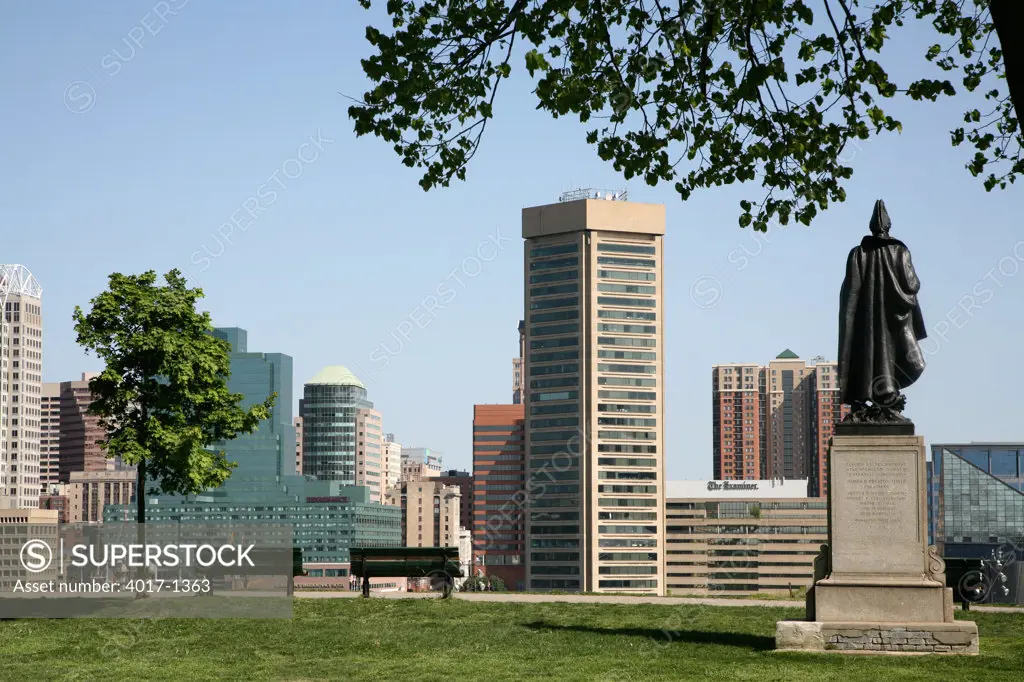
x: 976, y: 498
x: 256, y: 376
x: 327, y: 517
x: 330, y: 403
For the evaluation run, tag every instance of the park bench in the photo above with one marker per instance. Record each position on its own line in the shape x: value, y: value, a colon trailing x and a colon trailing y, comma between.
x: 406, y: 562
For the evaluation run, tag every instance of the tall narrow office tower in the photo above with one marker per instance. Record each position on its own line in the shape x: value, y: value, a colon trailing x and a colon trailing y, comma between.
x: 21, y: 387
x: 594, y: 386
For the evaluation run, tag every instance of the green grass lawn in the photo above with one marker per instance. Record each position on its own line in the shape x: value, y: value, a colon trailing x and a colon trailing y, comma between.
x: 417, y: 639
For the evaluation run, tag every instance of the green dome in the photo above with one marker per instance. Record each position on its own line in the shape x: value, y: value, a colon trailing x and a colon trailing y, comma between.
x: 335, y: 375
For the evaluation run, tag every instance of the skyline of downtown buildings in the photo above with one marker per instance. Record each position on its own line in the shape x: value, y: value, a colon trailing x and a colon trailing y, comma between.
x: 582, y: 458
x: 368, y: 469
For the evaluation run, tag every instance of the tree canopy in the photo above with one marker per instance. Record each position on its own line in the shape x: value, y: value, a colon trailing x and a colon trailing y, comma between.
x: 163, y: 398
x: 699, y: 93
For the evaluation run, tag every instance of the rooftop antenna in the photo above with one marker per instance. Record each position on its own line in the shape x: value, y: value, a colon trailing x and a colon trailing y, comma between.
x: 592, y: 193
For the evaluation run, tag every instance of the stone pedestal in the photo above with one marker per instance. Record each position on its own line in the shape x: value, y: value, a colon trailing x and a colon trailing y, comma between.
x: 878, y: 579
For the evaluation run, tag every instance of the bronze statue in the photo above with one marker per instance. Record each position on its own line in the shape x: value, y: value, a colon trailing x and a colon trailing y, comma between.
x: 880, y: 324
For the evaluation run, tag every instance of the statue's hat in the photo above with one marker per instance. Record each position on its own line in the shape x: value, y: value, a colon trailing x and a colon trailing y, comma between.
x: 880, y: 222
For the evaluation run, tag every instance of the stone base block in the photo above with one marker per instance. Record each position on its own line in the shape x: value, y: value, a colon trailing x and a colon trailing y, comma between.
x: 880, y: 603
x: 960, y: 637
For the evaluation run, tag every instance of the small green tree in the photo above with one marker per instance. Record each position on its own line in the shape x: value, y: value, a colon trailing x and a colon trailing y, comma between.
x: 163, y: 398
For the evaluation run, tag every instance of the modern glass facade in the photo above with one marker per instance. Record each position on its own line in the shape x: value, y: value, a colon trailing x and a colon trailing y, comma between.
x: 330, y: 403
x: 269, y: 451
x: 976, y: 497
x: 328, y: 517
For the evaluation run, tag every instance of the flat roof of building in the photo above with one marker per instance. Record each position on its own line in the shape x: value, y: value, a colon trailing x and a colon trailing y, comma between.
x: 594, y: 215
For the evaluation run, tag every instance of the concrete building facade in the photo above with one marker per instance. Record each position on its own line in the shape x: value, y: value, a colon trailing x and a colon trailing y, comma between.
x: 391, y: 465
x: 17, y: 527
x: 49, y: 436
x: 743, y: 537
x: 464, y: 481
x: 89, y: 492
x: 369, y: 442
x: 430, y: 513
x: 594, y: 387
x: 499, y: 493
x: 21, y: 387
x: 418, y: 463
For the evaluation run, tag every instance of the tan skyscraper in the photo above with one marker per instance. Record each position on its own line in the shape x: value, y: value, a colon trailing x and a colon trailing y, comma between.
x: 49, y: 436
x: 369, y: 438
x: 21, y: 387
x: 594, y: 385
x: 430, y: 512
x: 391, y: 464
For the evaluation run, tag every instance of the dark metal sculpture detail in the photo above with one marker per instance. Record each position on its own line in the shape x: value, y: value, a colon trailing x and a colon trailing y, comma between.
x: 880, y: 325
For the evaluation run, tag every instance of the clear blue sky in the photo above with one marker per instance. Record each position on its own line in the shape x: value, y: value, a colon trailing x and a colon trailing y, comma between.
x: 179, y: 134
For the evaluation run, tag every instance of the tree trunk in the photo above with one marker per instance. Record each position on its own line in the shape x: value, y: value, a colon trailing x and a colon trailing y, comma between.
x: 140, y: 497
x: 140, y: 520
x: 1008, y: 17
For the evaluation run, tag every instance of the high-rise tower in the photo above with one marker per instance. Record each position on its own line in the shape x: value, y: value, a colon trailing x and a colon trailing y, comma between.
x: 270, y: 451
x: 21, y: 387
x: 334, y: 407
x: 594, y: 386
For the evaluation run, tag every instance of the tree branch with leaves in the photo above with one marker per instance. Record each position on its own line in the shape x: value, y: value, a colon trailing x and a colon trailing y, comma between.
x: 698, y: 93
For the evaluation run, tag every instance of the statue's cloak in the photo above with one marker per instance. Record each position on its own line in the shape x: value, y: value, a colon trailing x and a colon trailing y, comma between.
x: 880, y: 321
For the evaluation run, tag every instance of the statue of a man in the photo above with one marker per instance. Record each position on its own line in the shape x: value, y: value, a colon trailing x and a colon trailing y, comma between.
x: 880, y: 324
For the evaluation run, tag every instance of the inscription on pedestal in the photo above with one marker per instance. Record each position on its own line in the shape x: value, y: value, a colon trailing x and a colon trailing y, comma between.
x: 876, y: 512
x: 877, y: 493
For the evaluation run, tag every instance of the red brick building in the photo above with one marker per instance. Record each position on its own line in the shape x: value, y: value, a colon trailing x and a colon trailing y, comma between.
x: 58, y: 503
x: 499, y: 493
x: 775, y: 421
x: 80, y: 432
